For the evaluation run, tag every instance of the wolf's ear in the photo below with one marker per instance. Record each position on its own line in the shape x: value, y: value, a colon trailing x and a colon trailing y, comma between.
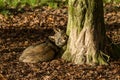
x: 52, y: 38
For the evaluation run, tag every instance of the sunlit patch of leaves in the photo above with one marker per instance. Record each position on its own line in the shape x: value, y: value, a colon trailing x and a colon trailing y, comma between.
x: 18, y: 5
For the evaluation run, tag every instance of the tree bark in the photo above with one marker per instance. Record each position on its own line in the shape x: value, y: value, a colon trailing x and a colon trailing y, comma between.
x: 86, y: 32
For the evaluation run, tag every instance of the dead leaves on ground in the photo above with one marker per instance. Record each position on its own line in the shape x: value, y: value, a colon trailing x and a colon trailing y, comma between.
x: 24, y: 29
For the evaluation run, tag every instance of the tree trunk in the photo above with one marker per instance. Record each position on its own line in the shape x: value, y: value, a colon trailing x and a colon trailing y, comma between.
x: 86, y: 32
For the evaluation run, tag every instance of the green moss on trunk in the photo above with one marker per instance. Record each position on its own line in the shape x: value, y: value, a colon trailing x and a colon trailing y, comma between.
x: 86, y: 32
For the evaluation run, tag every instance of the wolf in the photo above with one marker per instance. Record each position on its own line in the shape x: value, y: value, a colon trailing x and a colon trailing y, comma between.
x: 45, y: 51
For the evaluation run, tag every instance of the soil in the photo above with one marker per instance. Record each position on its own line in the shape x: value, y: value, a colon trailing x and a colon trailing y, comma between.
x: 22, y: 29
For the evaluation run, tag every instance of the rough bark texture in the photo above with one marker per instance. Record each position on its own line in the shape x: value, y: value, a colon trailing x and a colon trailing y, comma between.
x: 86, y: 32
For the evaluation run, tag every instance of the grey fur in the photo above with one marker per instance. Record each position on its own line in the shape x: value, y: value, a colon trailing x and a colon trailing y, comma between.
x: 44, y: 51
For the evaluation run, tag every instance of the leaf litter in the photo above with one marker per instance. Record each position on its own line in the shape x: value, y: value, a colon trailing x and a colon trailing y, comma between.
x: 18, y: 31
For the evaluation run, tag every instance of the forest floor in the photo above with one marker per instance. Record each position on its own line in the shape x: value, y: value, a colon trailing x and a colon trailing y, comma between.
x: 23, y: 29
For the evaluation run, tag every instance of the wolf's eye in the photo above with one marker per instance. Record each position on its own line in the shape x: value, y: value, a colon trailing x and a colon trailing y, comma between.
x: 65, y: 38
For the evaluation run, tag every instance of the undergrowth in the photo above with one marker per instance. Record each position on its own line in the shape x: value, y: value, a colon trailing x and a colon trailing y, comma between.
x: 18, y: 5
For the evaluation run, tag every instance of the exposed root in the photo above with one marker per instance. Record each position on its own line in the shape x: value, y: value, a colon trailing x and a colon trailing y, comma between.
x: 83, y: 49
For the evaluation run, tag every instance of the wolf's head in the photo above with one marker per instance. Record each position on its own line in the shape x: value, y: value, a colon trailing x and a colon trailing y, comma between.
x: 59, y: 38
